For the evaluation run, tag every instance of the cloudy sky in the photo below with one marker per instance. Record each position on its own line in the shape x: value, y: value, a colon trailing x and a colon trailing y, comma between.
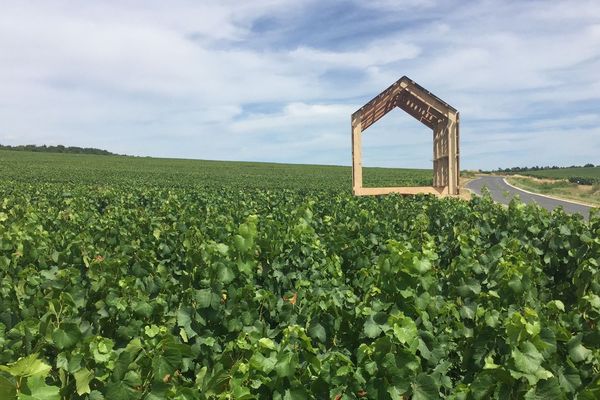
x: 277, y: 80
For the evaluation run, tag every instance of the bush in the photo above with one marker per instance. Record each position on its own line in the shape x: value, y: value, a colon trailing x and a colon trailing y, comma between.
x: 583, y: 180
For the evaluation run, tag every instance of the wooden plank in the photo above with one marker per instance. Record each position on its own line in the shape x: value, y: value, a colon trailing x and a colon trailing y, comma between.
x: 415, y: 88
x: 458, y: 153
x: 356, y: 157
x: 420, y: 110
x: 408, y: 190
x: 452, y: 172
x: 387, y: 92
x: 407, y: 101
x: 377, y: 111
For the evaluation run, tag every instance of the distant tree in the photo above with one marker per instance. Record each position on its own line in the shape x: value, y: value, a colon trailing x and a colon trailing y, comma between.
x: 56, y: 149
x: 589, y: 165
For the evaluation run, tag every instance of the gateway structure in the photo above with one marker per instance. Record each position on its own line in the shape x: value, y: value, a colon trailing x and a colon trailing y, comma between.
x: 430, y: 110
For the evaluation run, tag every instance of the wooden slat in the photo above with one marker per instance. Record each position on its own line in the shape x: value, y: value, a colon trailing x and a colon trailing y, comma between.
x: 407, y: 101
x: 377, y: 111
x: 356, y: 157
x: 438, y: 191
x: 420, y: 110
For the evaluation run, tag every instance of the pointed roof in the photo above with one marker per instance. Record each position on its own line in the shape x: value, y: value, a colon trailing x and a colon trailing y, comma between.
x: 412, y: 98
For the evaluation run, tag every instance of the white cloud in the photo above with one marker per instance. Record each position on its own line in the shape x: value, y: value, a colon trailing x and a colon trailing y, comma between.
x: 401, y: 5
x: 179, y: 79
x: 378, y: 53
x: 298, y: 116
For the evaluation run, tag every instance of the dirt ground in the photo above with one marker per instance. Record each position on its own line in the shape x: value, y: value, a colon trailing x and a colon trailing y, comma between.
x: 465, y: 193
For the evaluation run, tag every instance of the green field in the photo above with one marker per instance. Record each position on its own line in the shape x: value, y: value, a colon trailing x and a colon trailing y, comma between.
x: 110, y: 170
x: 566, y: 173
x: 138, y: 278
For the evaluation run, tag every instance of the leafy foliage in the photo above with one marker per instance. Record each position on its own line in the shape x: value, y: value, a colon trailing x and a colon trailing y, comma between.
x: 584, y: 180
x: 110, y: 170
x: 201, y: 291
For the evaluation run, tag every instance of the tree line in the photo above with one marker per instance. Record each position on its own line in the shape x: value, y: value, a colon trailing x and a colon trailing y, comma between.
x: 540, y: 168
x: 57, y: 149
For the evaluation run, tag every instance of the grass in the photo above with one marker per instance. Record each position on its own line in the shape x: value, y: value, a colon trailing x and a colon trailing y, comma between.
x: 589, y: 194
x: 20, y: 166
x: 468, y: 174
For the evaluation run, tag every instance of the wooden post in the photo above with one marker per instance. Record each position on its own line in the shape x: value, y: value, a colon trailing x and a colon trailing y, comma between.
x: 356, y: 157
x: 452, y: 173
x: 457, y: 153
x: 438, y: 162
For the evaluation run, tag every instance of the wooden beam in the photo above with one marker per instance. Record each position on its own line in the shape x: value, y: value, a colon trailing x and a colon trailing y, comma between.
x: 408, y: 190
x: 452, y: 166
x: 420, y: 110
x: 356, y: 156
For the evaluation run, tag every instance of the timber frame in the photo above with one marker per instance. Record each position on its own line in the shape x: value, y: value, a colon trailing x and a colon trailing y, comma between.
x: 430, y: 110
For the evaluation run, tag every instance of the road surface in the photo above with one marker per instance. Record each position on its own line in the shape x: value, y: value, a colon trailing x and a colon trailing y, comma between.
x: 499, y: 188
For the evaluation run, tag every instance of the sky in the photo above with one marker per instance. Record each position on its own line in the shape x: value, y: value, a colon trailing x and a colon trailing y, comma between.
x: 277, y: 80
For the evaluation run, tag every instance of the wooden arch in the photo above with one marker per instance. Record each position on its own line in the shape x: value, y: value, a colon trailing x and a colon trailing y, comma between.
x: 430, y: 110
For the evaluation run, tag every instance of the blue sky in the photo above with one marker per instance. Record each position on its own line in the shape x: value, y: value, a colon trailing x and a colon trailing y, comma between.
x: 268, y: 80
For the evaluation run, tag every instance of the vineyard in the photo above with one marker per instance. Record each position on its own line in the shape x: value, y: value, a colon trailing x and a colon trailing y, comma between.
x: 156, y: 172
x: 134, y: 278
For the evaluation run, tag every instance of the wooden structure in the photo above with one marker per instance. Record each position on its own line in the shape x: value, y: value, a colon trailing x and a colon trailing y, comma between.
x: 430, y: 110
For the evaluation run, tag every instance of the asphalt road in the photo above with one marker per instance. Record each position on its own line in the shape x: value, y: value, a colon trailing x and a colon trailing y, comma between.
x: 498, y: 190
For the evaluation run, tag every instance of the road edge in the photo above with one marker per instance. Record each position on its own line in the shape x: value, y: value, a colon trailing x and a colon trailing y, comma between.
x: 549, y: 197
